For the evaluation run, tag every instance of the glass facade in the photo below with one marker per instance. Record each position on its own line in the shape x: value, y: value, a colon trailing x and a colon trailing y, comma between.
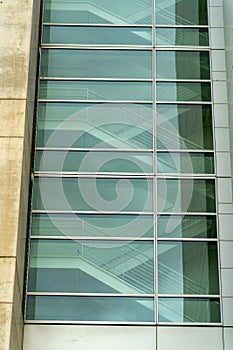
x: 123, y: 223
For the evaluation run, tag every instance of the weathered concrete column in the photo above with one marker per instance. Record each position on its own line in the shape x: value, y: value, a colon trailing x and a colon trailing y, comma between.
x: 18, y: 46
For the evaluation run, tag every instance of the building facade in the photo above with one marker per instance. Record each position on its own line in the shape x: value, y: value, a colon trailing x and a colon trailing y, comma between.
x: 117, y: 192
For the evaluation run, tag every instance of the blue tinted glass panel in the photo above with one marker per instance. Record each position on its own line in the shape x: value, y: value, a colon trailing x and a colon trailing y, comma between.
x: 183, y: 12
x: 97, y: 35
x: 89, y: 194
x: 201, y: 310
x: 182, y: 37
x: 186, y: 195
x: 65, y: 308
x: 74, y: 125
x: 183, y: 92
x: 91, y: 266
x: 182, y: 65
x: 93, y: 90
x: 187, y: 163
x: 96, y: 225
x: 186, y: 226
x: 184, y: 127
x: 98, y: 11
x: 188, y: 268
x: 101, y: 162
x: 96, y: 64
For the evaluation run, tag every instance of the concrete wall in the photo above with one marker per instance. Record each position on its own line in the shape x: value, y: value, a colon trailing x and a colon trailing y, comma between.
x: 18, y: 41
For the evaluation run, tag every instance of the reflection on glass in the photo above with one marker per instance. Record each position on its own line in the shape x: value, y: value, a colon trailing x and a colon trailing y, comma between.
x: 95, y: 90
x: 182, y: 37
x: 201, y: 310
x: 187, y: 268
x: 183, y: 12
x: 94, y: 161
x: 68, y: 308
x: 97, y: 35
x: 183, y: 92
x: 186, y: 195
x: 96, y: 64
x: 98, y: 194
x: 96, y: 225
x: 184, y: 127
x: 187, y: 226
x: 74, y: 125
x: 98, y: 11
x: 187, y: 163
x: 91, y: 266
x: 182, y: 65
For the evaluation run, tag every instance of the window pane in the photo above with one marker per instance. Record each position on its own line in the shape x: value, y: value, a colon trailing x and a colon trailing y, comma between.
x: 186, y: 226
x: 101, y: 162
x: 115, y: 12
x: 97, y: 35
x: 91, y: 266
x: 182, y: 65
x: 74, y: 125
x: 187, y: 163
x: 186, y: 195
x: 95, y: 225
x: 187, y: 268
x: 184, y: 12
x: 184, y: 127
x: 182, y: 37
x: 93, y: 194
x: 95, y: 90
x: 63, y: 308
x: 189, y: 310
x: 96, y: 64
x: 183, y: 92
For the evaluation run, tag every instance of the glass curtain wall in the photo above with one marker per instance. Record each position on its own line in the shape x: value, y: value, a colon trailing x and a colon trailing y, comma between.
x: 124, y: 217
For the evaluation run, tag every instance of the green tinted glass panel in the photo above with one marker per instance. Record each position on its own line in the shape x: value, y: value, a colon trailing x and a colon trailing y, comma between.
x: 98, y: 11
x: 93, y: 90
x: 182, y: 37
x: 203, y: 310
x: 183, y: 92
x: 184, y: 12
x: 186, y: 195
x: 74, y: 125
x: 187, y: 268
x: 101, y: 162
x: 97, y: 35
x: 68, y: 308
x: 187, y: 163
x: 187, y: 226
x: 182, y: 65
x: 91, y: 266
x: 184, y: 127
x: 96, y: 225
x: 89, y: 194
x: 96, y: 64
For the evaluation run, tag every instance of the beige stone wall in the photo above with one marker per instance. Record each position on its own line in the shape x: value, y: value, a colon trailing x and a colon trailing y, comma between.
x: 18, y: 41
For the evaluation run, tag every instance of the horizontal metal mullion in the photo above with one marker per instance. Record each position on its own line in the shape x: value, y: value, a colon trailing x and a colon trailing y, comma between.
x: 95, y: 176
x: 187, y: 296
x: 90, y: 173
x: 134, y: 80
x: 95, y: 101
x: 93, y: 238
x: 105, y: 295
x: 102, y: 323
x: 95, y: 150
x: 187, y: 26
x: 183, y: 81
x: 176, y: 239
x: 97, y: 25
x: 182, y: 48
x: 184, y: 102
x: 184, y: 151
x: 186, y: 213
x: 97, y: 47
x: 92, y: 212
x: 184, y: 175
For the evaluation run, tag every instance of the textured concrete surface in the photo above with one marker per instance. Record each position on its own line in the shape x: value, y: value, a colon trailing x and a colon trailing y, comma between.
x: 18, y: 45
